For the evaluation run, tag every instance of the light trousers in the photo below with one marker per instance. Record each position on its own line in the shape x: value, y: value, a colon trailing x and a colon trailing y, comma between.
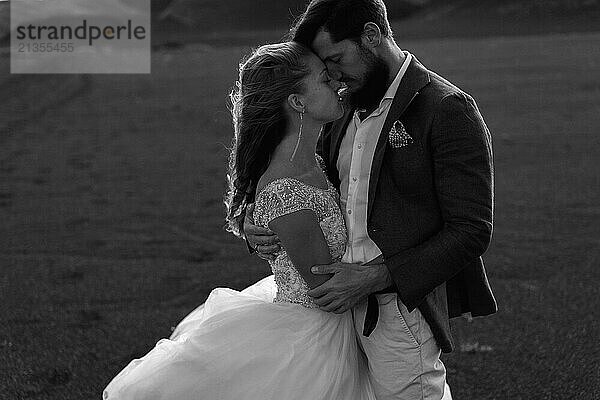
x: 404, y: 358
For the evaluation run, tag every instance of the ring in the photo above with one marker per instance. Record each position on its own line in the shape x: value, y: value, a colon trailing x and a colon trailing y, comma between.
x: 256, y: 247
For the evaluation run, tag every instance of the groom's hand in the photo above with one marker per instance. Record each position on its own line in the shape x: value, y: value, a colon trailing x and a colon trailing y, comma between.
x: 263, y: 240
x: 350, y: 284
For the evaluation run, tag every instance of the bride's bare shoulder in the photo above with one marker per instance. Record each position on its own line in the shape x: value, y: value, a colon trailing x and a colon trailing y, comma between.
x: 271, y: 175
x: 263, y: 182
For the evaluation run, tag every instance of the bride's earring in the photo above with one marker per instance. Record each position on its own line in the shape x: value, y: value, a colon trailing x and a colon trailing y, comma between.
x: 299, y: 136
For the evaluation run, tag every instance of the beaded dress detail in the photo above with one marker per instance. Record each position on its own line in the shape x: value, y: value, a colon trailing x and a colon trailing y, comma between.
x: 285, y: 196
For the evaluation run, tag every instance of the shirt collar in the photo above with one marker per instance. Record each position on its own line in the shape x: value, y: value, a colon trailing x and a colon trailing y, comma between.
x: 393, y: 88
x: 391, y: 92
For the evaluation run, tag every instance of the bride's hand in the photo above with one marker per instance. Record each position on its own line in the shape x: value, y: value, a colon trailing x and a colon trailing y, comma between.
x: 263, y: 240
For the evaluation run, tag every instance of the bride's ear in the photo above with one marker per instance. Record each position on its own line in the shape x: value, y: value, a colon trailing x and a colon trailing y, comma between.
x: 296, y: 103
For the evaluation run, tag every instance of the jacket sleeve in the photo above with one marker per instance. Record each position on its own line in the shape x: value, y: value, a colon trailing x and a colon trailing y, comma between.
x: 462, y: 161
x: 248, y: 247
x: 243, y: 235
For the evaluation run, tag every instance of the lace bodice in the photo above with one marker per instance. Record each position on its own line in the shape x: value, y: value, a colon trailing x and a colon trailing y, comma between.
x: 285, y: 196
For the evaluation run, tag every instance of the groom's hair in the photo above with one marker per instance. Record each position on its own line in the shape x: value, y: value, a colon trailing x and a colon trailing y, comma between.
x: 343, y: 19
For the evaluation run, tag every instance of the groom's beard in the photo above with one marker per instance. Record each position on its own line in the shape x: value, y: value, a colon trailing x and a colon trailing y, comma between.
x: 375, y: 82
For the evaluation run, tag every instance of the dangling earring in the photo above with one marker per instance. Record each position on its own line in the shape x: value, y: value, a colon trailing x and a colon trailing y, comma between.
x: 299, y: 136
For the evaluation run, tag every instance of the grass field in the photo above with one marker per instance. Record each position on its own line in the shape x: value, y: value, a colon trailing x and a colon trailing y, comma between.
x: 111, y: 208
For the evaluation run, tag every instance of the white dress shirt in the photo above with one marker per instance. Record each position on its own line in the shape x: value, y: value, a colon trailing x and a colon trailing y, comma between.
x: 354, y: 166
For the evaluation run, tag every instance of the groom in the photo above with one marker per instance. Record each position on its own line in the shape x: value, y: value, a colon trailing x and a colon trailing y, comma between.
x: 412, y: 160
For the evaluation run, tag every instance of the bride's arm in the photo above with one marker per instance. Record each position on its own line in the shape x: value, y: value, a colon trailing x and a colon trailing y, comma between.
x: 303, y: 241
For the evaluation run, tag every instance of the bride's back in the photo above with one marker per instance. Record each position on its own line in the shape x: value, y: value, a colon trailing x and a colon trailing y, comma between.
x: 286, y: 195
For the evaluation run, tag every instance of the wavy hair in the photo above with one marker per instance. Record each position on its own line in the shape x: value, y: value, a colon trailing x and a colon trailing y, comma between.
x: 266, y: 78
x: 343, y: 19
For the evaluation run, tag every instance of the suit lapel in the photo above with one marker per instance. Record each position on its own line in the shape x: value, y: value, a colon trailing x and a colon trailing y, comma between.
x: 415, y: 78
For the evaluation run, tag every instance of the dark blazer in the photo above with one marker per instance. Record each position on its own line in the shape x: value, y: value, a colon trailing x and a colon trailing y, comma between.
x: 430, y: 203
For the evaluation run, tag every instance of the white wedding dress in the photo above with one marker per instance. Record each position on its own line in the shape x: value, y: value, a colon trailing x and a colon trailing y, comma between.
x: 268, y: 341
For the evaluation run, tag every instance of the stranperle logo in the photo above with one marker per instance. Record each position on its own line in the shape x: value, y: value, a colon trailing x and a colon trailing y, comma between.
x: 82, y: 32
x: 80, y: 36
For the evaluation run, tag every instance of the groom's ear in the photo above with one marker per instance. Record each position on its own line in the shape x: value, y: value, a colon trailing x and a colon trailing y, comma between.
x: 371, y: 36
x: 296, y: 103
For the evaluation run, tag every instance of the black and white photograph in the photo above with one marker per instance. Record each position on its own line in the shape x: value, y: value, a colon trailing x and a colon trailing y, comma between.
x: 300, y: 199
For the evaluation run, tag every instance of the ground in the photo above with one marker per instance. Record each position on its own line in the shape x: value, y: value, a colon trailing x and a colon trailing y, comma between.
x: 111, y: 192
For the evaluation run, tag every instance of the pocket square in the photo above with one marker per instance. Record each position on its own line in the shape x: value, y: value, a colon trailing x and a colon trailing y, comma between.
x: 398, y: 137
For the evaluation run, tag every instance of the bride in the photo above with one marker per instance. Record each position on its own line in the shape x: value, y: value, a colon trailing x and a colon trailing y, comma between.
x: 269, y: 341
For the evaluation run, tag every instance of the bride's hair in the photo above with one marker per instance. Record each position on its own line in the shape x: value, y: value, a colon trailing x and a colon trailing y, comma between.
x: 266, y: 78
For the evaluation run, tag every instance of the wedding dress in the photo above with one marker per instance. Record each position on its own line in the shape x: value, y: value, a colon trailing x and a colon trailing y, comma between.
x: 268, y: 341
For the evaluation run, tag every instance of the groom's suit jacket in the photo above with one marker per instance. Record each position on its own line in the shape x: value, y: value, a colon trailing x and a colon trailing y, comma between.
x: 430, y: 202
